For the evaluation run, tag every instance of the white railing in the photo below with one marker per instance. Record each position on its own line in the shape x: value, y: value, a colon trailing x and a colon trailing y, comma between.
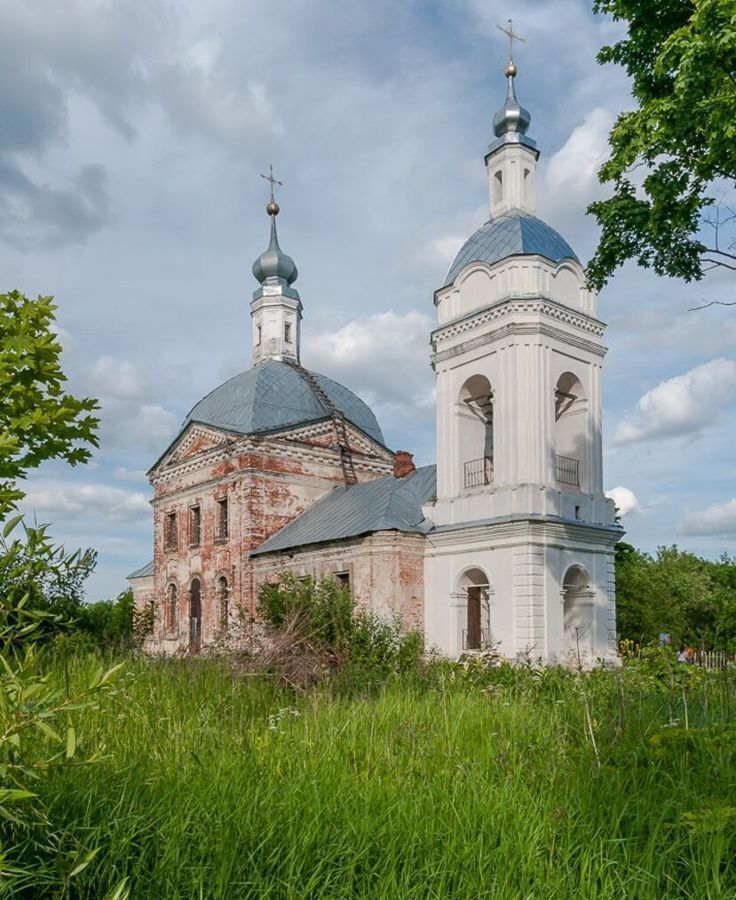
x: 568, y: 470
x: 478, y: 472
x: 483, y: 642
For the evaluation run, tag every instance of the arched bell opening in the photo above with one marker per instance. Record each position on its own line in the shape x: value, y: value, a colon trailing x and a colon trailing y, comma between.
x: 474, y: 586
x: 475, y: 440
x: 570, y: 433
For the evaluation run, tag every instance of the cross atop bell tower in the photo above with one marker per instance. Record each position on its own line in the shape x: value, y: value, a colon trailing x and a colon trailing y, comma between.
x: 511, y: 159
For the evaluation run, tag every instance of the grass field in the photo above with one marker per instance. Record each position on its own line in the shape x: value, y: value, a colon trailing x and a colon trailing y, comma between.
x: 454, y: 783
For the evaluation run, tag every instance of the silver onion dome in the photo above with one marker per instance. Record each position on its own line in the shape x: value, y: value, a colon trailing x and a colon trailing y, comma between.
x: 512, y: 117
x: 273, y: 262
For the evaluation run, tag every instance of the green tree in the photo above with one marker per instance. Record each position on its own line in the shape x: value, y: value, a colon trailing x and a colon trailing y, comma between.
x: 38, y: 419
x: 681, y: 58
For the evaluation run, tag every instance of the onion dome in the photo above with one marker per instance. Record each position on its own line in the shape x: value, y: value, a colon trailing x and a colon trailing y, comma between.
x: 512, y: 118
x: 273, y: 262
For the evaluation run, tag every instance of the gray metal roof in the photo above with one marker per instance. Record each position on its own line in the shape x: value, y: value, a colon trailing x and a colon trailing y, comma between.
x: 511, y: 234
x: 273, y: 395
x: 144, y: 572
x: 384, y: 504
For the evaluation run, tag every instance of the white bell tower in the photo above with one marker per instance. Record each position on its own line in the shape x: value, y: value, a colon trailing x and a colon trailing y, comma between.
x: 522, y: 554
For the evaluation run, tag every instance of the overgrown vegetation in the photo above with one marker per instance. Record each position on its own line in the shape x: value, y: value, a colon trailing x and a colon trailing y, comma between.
x: 458, y: 780
x: 675, y: 591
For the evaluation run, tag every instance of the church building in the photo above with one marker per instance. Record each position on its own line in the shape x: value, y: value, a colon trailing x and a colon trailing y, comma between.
x: 508, y: 542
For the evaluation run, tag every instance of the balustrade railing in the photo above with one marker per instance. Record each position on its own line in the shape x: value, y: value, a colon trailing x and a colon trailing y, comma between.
x: 479, y: 639
x: 478, y: 472
x: 568, y: 470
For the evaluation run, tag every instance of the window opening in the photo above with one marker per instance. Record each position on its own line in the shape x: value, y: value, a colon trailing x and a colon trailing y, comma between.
x: 287, y: 332
x: 343, y: 580
x: 195, y: 614
x: 195, y: 524
x: 222, y: 519
x: 497, y: 187
x: 170, y: 531
x: 258, y: 334
x: 223, y: 599
x: 170, y: 608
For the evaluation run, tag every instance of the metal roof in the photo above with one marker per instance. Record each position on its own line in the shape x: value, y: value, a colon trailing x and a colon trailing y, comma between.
x: 144, y: 572
x: 511, y: 234
x: 273, y: 395
x: 383, y: 504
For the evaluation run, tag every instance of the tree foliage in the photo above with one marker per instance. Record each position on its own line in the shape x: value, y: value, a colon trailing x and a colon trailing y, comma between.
x: 677, y: 592
x: 681, y: 58
x: 38, y: 419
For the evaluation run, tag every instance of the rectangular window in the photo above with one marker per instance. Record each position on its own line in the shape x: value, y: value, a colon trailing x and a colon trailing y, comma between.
x: 343, y: 580
x: 287, y: 332
x: 195, y: 523
x: 258, y: 334
x: 170, y: 531
x: 222, y: 522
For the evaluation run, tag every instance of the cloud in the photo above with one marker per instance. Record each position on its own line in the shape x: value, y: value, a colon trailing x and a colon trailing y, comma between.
x: 385, y: 356
x: 122, y: 473
x: 35, y: 215
x: 113, y: 504
x: 199, y: 96
x: 717, y: 520
x: 114, y: 378
x: 571, y: 176
x: 683, y: 405
x: 624, y: 499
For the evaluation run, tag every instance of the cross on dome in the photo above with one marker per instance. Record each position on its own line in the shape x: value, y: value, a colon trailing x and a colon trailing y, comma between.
x: 272, y: 207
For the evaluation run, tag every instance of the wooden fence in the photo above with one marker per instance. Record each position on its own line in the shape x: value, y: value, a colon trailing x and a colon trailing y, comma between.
x: 714, y: 659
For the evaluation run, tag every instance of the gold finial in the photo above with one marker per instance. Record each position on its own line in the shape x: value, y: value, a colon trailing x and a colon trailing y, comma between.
x: 272, y: 207
x: 510, y: 71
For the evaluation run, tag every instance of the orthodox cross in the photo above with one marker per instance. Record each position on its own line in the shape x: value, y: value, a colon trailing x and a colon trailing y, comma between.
x: 512, y: 36
x: 270, y: 178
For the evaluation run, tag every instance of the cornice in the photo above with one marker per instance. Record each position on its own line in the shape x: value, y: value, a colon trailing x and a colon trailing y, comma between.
x: 518, y: 304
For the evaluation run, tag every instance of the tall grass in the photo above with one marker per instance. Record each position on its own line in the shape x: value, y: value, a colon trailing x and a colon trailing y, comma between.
x: 463, y: 783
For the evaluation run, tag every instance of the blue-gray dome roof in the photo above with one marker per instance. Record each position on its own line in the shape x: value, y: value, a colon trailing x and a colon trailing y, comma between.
x: 511, y: 234
x: 274, y: 395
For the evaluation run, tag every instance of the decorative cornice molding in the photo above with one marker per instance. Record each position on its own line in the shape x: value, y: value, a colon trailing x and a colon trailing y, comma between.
x: 519, y: 305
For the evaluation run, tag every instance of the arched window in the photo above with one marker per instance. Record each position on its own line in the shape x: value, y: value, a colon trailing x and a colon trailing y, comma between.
x: 578, y: 611
x: 195, y: 614
x: 475, y: 432
x: 571, y: 432
x: 171, y: 607
x: 527, y: 186
x: 497, y: 187
x: 223, y: 595
x: 477, y: 626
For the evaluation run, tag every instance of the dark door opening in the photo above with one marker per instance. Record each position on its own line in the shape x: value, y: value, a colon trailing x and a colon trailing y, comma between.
x: 474, y: 629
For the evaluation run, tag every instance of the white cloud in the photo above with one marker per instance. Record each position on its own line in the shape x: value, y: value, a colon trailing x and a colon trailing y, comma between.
x: 200, y: 96
x: 115, y: 378
x: 384, y: 355
x: 110, y: 503
x: 571, y: 176
x: 122, y: 473
x: 682, y: 405
x: 625, y: 500
x: 719, y: 520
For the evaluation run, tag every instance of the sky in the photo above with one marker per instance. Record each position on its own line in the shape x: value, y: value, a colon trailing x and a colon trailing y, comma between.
x: 132, y: 137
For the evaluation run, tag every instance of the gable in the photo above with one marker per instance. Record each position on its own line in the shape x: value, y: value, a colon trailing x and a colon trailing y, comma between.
x: 196, y: 440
